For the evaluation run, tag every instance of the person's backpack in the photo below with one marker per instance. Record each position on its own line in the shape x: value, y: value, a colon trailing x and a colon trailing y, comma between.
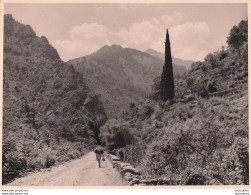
x: 99, y: 151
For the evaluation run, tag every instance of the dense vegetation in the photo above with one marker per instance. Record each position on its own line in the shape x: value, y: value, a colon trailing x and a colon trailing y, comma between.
x: 49, y: 114
x: 201, y: 136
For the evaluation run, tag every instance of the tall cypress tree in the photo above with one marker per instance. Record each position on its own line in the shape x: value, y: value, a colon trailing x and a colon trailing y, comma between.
x: 167, y: 82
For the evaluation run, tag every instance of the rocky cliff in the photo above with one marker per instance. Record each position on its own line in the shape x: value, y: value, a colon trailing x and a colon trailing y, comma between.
x: 49, y: 113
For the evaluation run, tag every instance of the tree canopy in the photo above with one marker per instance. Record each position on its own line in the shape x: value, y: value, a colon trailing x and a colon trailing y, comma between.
x: 238, y: 35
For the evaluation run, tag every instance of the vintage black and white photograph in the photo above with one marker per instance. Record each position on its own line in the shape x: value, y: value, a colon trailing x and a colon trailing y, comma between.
x: 125, y: 94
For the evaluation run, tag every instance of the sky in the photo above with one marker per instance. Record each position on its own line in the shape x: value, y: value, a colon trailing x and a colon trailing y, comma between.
x: 76, y: 30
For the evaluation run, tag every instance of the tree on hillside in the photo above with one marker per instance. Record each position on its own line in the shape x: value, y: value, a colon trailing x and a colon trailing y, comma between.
x: 211, y: 60
x: 167, y: 81
x: 115, y: 134
x: 243, y: 26
x: 238, y: 35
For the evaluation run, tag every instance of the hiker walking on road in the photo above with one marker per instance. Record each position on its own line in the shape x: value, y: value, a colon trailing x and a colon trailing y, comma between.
x: 99, y: 153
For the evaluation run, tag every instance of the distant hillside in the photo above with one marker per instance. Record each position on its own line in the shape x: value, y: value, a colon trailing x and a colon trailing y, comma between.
x: 184, y: 64
x: 120, y: 75
x: 201, y: 137
x: 49, y: 114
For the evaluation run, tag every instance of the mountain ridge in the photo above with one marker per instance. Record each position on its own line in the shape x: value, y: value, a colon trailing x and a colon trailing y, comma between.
x: 184, y: 63
x: 123, y: 75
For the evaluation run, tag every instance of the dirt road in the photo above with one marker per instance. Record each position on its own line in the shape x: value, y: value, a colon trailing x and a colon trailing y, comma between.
x: 81, y: 172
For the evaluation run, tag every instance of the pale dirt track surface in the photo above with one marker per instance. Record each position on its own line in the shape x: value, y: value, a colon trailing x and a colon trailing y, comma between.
x: 81, y: 172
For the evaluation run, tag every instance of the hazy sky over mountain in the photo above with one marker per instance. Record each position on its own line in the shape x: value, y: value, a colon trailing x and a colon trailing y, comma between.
x: 76, y: 30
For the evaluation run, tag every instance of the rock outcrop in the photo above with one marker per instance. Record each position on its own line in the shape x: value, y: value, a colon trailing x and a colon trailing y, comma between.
x: 127, y: 171
x: 132, y: 175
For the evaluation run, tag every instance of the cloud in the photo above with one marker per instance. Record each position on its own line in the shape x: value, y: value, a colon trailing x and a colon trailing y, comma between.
x: 84, y: 40
x: 88, y: 31
x: 87, y: 38
x: 143, y: 35
x: 187, y: 40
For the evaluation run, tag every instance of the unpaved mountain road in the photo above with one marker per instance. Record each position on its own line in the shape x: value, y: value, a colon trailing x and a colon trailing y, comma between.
x: 81, y: 172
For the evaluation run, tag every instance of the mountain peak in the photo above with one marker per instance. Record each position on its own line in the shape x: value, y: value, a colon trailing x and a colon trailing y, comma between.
x: 112, y: 47
x: 11, y: 26
x: 117, y: 47
x: 21, y: 39
x: 8, y: 17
